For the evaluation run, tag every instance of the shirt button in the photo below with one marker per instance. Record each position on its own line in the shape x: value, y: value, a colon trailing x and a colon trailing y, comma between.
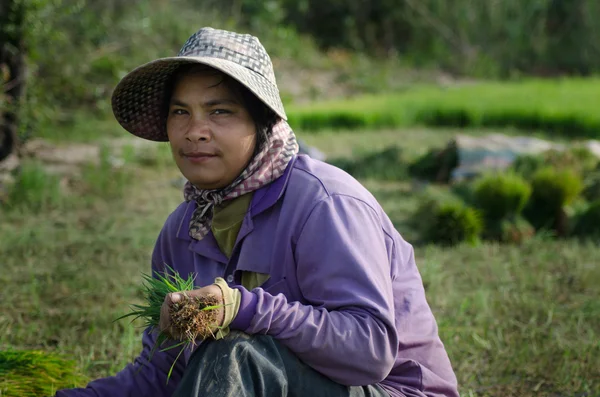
x: 230, y: 278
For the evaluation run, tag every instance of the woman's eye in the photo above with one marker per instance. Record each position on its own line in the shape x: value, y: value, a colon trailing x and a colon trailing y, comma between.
x: 179, y: 112
x: 220, y: 111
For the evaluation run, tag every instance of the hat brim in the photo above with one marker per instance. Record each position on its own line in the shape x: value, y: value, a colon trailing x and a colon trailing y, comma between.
x: 138, y: 101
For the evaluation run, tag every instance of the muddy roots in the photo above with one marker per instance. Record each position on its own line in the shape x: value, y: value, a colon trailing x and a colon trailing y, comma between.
x: 192, y: 318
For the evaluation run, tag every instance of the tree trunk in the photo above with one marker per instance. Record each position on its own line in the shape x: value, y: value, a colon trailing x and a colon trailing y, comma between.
x: 12, y: 71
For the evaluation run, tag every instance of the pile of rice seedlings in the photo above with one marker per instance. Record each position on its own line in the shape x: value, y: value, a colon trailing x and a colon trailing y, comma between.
x: 192, y: 318
x: 26, y: 373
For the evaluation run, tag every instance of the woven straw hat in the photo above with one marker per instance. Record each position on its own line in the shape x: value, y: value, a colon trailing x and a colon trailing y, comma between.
x: 139, y: 98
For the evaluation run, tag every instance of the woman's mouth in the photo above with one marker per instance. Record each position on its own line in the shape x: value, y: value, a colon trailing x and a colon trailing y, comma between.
x: 199, y: 157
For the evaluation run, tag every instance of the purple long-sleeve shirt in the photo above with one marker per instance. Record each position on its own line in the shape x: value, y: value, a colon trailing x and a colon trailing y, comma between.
x: 344, y: 292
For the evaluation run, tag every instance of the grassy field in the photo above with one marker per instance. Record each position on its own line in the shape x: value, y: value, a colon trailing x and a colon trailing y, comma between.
x: 565, y: 107
x: 560, y: 108
x: 517, y: 320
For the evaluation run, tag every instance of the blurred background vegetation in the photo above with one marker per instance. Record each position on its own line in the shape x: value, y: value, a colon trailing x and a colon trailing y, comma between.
x: 382, y: 87
x: 76, y: 50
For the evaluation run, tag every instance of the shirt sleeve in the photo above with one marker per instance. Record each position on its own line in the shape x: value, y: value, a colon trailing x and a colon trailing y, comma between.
x: 346, y: 331
x: 147, y: 375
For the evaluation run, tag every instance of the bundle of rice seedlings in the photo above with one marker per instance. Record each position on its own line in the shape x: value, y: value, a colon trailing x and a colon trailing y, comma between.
x: 30, y: 373
x: 192, y: 318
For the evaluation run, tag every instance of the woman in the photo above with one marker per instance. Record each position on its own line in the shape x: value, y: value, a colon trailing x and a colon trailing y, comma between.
x: 321, y: 295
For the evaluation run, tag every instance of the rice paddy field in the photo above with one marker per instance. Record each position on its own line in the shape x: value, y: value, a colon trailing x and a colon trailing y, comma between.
x: 567, y: 107
x: 517, y: 320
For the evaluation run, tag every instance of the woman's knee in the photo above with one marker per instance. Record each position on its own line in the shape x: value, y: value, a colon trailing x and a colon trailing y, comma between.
x: 240, y: 343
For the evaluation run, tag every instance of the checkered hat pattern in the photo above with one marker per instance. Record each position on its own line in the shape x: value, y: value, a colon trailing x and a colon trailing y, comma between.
x: 138, y: 100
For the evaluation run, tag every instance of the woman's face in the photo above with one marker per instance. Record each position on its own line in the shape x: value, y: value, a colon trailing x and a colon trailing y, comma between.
x: 211, y: 133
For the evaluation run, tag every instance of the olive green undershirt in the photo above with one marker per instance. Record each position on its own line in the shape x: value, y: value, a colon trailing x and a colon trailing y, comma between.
x: 226, y: 223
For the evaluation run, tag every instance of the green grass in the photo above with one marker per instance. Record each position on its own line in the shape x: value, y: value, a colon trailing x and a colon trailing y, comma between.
x: 34, y: 189
x: 516, y: 320
x: 565, y: 107
x: 71, y: 272
x: 519, y: 318
x: 80, y: 127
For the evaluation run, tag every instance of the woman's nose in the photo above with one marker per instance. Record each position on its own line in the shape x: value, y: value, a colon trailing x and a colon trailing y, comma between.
x: 199, y: 131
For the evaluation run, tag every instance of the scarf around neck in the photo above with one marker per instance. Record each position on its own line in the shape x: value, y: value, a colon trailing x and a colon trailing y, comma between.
x: 266, y: 166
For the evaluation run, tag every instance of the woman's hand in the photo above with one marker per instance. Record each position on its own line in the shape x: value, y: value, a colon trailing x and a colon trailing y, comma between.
x: 211, y: 292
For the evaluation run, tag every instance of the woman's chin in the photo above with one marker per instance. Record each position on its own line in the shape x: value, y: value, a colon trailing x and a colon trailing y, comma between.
x: 205, y: 183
